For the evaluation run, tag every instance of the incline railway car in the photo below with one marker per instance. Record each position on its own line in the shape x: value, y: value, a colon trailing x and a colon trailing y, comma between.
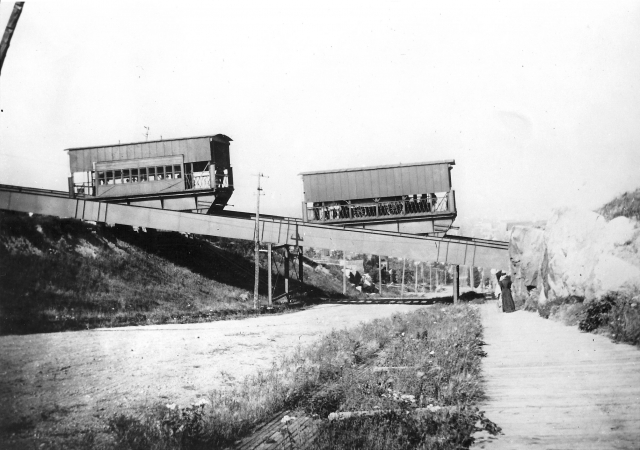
x: 187, y: 174
x: 413, y: 198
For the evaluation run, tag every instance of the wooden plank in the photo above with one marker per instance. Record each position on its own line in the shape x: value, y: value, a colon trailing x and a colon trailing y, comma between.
x: 405, y: 186
x: 414, y: 186
x: 372, y: 177
x: 336, y: 186
x: 441, y: 178
x: 398, y: 182
x: 362, y: 191
x: 326, y: 180
x: 568, y: 389
x: 131, y: 152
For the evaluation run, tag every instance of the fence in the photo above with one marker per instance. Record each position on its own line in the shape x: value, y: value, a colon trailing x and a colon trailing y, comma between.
x: 399, y: 208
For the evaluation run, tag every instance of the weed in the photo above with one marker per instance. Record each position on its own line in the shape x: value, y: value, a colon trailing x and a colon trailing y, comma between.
x: 597, y: 313
x: 440, y: 349
x: 624, y: 318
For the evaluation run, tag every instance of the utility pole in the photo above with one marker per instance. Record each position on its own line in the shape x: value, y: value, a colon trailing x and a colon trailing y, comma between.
x: 404, y: 264
x: 257, y: 244
x: 380, y: 274
x: 456, y: 283
x: 8, y: 32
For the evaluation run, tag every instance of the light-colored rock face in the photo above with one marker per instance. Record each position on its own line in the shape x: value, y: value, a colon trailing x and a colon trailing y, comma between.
x: 526, y: 248
x: 586, y: 256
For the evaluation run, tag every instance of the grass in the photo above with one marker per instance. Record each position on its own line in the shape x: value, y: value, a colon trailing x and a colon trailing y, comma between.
x: 616, y: 314
x: 63, y: 274
x: 627, y: 205
x: 442, y: 347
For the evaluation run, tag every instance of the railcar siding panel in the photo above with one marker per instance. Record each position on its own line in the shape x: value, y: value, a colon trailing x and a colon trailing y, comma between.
x: 368, y: 186
x: 383, y: 178
x: 414, y: 184
x: 428, y: 179
x: 101, y: 155
x: 341, y: 187
x: 344, y: 186
x: 376, y: 180
x: 174, y: 148
x: 313, y: 188
x: 437, y: 183
x: 73, y: 161
x: 191, y: 151
x: 397, y: 186
x: 405, y: 186
x: 306, y: 185
x: 361, y: 190
x: 326, y: 180
x: 352, y: 186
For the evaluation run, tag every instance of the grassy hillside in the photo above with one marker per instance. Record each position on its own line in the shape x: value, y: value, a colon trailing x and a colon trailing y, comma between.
x: 63, y: 274
x: 627, y: 205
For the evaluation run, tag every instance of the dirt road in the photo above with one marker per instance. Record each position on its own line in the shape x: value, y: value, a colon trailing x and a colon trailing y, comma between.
x: 55, y: 386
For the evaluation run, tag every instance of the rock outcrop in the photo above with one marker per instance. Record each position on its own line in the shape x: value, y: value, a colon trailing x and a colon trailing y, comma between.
x: 526, y: 248
x: 580, y: 254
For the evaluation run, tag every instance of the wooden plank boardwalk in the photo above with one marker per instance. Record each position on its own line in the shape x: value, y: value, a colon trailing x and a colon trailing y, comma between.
x: 549, y: 386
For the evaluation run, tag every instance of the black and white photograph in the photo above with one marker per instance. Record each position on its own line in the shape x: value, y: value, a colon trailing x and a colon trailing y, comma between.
x: 286, y: 225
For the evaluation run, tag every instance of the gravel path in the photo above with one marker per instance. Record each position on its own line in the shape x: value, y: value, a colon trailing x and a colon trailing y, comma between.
x: 55, y: 386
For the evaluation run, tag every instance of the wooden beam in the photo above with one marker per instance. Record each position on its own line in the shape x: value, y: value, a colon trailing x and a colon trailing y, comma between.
x: 456, y: 283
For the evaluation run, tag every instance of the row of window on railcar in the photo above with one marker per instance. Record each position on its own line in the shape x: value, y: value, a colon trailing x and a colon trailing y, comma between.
x: 140, y: 175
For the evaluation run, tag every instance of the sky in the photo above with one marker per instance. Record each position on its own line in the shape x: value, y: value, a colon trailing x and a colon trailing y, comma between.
x: 537, y: 102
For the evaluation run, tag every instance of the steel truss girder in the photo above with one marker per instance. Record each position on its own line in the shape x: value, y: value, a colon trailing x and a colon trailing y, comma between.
x: 278, y: 231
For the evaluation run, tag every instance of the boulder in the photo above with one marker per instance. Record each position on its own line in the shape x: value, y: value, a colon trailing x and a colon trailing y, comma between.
x: 526, y: 249
x: 585, y: 256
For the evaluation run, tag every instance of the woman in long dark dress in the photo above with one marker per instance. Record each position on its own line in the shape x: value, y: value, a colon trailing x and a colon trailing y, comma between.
x: 507, y: 300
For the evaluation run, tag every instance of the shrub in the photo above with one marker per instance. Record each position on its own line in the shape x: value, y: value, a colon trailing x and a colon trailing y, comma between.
x: 531, y: 303
x: 624, y: 319
x: 597, y: 313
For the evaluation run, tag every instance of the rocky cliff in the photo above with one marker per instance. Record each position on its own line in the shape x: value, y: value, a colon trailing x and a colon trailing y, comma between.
x: 579, y: 254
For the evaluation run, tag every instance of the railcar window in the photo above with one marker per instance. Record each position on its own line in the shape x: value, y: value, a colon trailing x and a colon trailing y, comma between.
x: 152, y: 174
x: 101, y: 178
x: 143, y: 174
x: 168, y: 172
x: 134, y: 175
x: 117, y: 176
x: 177, y: 171
x: 125, y: 176
x: 200, y: 166
x: 110, y: 177
x: 160, y: 173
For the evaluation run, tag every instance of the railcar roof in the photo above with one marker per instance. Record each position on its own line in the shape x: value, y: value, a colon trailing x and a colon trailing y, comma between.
x: 390, y: 166
x: 218, y: 136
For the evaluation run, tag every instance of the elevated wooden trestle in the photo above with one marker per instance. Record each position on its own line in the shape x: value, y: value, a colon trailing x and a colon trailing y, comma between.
x: 278, y: 231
